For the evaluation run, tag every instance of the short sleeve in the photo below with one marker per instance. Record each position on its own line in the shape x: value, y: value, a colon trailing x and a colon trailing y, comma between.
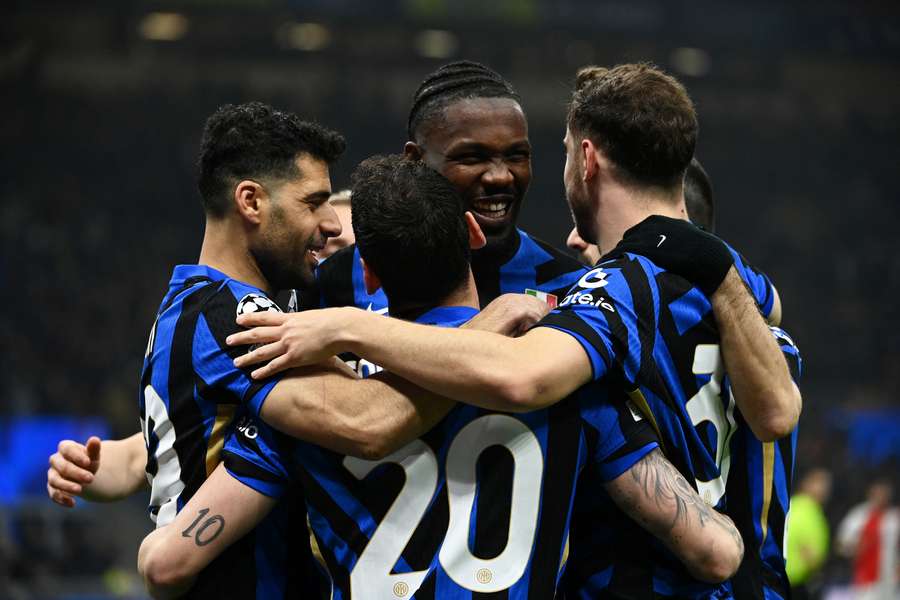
x: 254, y: 454
x: 618, y: 434
x: 213, y: 358
x: 596, y: 312
x: 790, y: 351
x: 760, y: 285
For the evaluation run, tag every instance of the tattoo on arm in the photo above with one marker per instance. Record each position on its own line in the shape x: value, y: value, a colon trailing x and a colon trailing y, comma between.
x: 208, y: 531
x: 660, y: 481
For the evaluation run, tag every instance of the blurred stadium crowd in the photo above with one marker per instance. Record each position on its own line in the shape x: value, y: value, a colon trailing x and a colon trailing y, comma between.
x: 800, y: 116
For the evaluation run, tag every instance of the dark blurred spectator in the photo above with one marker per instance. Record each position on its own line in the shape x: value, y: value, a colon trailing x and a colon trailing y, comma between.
x: 868, y: 535
x: 807, y: 531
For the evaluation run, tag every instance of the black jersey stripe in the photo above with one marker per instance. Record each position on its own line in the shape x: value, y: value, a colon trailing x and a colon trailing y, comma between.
x: 493, y: 506
x: 425, y: 542
x: 570, y: 320
x: 747, y: 582
x: 220, y: 313
x: 184, y: 413
x: 560, y: 472
x: 559, y: 264
x: 343, y: 525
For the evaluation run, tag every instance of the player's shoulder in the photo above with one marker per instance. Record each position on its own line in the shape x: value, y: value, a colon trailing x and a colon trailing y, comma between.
x: 553, y: 253
x: 230, y: 298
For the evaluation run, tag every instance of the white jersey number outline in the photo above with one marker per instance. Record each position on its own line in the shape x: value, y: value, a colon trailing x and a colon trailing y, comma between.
x: 372, y: 575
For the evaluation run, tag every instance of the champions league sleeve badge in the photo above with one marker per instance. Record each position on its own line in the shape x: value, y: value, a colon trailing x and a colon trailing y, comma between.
x: 252, y: 303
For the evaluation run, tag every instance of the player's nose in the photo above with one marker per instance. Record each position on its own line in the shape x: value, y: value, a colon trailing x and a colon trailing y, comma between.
x: 498, y: 174
x: 575, y: 242
x: 330, y: 224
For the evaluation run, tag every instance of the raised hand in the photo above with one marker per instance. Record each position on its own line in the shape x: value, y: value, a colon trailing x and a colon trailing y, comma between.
x: 285, y: 340
x: 72, y: 467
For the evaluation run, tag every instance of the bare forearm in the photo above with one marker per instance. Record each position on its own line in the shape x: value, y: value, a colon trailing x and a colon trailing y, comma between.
x: 221, y: 512
x: 121, y: 470
x: 657, y: 497
x: 760, y: 379
x: 366, y: 418
x: 469, y: 366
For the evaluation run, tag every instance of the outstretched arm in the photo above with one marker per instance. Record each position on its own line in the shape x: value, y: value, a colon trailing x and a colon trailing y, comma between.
x: 476, y: 367
x: 221, y: 512
x: 77, y: 470
x: 657, y: 497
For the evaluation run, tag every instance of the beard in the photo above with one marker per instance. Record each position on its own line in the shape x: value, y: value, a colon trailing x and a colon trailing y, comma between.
x: 282, y: 259
x: 283, y: 268
x: 583, y: 216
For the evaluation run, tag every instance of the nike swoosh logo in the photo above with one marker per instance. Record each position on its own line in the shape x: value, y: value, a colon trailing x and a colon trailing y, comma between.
x: 379, y: 311
x: 662, y: 238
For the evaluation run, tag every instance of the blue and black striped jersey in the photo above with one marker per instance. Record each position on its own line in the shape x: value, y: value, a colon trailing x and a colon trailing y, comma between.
x: 652, y: 336
x: 478, y: 507
x: 535, y: 265
x: 189, y: 393
x: 758, y: 493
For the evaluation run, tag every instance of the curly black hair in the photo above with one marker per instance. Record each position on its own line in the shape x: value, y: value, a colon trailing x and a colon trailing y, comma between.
x: 455, y: 81
x: 254, y: 140
x: 410, y: 230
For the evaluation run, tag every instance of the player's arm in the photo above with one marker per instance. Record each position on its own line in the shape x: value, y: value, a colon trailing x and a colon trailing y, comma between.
x: 763, y: 388
x: 328, y: 405
x: 76, y: 470
x: 221, y: 512
x: 475, y: 367
x: 509, y: 314
x: 762, y: 385
x: 656, y: 496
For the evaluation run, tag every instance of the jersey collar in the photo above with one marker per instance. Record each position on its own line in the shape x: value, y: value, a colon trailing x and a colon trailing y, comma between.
x: 182, y: 273
x: 447, y: 316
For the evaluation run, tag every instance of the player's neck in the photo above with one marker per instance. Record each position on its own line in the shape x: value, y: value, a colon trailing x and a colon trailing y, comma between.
x: 222, y: 251
x: 497, y: 251
x: 627, y: 207
x: 465, y: 295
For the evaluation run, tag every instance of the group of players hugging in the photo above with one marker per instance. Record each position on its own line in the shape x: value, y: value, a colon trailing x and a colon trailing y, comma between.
x: 535, y: 428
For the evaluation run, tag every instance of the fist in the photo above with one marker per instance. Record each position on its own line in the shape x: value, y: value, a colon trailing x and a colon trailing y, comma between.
x: 72, y: 467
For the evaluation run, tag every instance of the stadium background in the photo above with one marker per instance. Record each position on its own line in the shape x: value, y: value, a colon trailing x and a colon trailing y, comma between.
x: 103, y: 105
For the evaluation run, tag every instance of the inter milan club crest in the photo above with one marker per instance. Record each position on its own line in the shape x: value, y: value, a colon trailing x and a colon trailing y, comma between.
x: 252, y: 303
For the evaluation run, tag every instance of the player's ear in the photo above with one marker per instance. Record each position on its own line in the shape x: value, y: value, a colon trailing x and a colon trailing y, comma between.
x: 370, y: 279
x: 248, y: 198
x: 476, y: 236
x: 413, y: 151
x: 591, y: 156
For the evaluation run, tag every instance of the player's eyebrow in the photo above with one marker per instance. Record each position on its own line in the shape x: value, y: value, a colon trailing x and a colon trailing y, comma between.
x: 317, y: 197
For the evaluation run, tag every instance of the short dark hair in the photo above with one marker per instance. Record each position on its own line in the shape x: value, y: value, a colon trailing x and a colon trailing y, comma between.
x: 698, y: 197
x: 410, y: 230
x: 452, y: 82
x: 255, y: 141
x: 640, y: 117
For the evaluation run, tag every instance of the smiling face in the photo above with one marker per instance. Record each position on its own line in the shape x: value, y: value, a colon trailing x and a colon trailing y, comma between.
x: 481, y: 145
x: 297, y: 224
